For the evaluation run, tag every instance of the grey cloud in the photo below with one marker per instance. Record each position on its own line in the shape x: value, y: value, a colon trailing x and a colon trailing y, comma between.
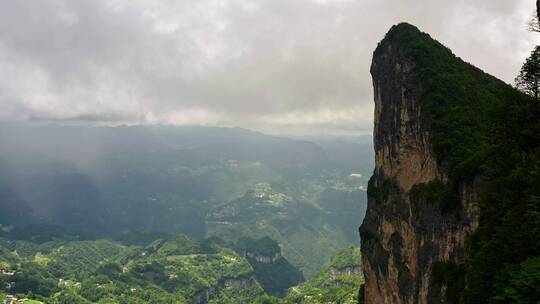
x: 272, y: 65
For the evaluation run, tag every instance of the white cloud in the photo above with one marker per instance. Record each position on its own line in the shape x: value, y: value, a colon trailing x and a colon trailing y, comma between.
x: 273, y: 65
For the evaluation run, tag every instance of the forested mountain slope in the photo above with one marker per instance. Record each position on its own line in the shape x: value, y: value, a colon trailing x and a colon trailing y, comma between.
x: 172, y: 270
x: 453, y: 211
x: 139, y: 183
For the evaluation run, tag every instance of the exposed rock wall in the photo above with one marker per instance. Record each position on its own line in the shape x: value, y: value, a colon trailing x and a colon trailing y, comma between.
x: 262, y: 258
x: 246, y: 282
x: 400, y: 241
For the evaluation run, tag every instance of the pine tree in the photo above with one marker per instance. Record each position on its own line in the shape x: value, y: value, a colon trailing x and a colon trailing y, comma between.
x: 528, y: 80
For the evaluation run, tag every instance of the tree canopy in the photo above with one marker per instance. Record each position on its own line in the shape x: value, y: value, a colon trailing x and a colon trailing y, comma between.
x: 528, y: 80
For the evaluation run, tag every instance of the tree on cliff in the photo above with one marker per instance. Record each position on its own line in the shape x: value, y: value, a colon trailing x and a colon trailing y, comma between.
x: 528, y: 80
x: 534, y: 23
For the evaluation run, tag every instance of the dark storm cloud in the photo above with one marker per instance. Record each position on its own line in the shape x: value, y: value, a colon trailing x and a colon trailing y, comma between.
x: 275, y: 65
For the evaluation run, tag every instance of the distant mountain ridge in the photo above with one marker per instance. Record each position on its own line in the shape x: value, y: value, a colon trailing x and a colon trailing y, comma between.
x: 81, y: 144
x: 66, y: 157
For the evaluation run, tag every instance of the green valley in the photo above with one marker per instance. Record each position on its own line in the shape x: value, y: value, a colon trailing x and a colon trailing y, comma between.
x: 148, y: 182
x: 174, y: 270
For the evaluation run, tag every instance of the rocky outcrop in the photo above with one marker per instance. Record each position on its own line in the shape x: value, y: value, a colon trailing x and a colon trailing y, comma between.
x: 271, y: 259
x: 246, y: 282
x: 402, y: 238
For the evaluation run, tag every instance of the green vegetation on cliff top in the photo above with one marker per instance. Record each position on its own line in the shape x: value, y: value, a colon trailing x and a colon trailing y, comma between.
x: 338, y: 283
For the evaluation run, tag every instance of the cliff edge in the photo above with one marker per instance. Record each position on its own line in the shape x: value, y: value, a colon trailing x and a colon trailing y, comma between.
x: 437, y: 147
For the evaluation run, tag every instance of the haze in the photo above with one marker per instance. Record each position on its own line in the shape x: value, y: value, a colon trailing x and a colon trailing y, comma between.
x: 280, y: 66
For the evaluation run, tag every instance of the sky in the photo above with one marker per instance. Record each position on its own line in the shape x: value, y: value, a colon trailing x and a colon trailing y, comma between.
x: 277, y: 66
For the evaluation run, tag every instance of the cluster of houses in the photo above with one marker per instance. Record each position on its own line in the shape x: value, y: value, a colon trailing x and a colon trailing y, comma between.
x: 10, y: 299
x: 7, y: 273
x: 13, y: 300
x: 68, y: 283
x: 262, y: 258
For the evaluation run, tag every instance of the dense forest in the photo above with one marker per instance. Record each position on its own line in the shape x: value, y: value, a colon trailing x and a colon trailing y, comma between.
x: 174, y: 270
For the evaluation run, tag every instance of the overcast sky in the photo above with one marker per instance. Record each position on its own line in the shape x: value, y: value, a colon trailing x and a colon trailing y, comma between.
x: 280, y: 66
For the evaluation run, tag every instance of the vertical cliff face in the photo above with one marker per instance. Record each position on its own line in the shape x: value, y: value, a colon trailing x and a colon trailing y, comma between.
x: 406, y: 231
